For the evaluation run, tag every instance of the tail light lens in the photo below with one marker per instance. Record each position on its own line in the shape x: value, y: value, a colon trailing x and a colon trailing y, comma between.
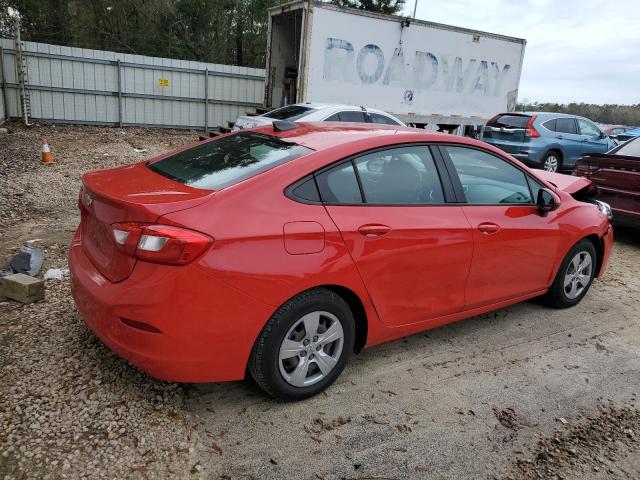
x: 160, y: 243
x: 530, y: 131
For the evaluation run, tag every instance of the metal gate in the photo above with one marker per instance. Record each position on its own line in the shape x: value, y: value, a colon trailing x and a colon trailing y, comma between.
x: 82, y: 86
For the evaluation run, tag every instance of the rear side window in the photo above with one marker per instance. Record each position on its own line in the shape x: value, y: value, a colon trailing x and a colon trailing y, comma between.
x: 550, y: 125
x: 228, y: 160
x: 566, y: 125
x: 306, y: 190
x: 509, y: 121
x: 383, y: 119
x: 400, y: 176
x: 339, y: 185
x: 291, y: 112
x: 347, y: 117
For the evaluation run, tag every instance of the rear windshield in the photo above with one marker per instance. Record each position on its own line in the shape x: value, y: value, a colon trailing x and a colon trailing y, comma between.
x: 510, y: 121
x: 291, y: 113
x: 228, y: 160
x: 630, y: 149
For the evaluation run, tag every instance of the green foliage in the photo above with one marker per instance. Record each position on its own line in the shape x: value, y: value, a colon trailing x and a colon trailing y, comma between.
x: 217, y: 31
x: 382, y: 6
x: 608, y: 114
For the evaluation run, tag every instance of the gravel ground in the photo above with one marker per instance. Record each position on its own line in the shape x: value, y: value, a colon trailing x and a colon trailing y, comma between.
x: 522, y: 393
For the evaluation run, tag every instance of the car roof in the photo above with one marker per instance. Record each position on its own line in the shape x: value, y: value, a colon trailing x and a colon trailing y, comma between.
x: 552, y: 114
x: 323, y: 135
x: 338, y: 106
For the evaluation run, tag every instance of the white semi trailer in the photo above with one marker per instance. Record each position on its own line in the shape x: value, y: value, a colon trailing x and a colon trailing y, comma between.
x: 425, y: 73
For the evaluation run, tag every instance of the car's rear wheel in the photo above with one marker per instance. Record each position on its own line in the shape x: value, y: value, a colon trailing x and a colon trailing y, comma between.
x: 304, y: 346
x: 552, y: 162
x: 574, y: 277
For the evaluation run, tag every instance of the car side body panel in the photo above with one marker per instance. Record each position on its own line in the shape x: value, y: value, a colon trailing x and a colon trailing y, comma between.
x: 268, y: 248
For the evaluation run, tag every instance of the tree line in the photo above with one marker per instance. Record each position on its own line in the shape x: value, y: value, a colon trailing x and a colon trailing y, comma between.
x: 229, y: 32
x: 609, y: 114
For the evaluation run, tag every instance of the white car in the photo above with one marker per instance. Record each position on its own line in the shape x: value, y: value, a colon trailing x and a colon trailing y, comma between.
x: 318, y: 112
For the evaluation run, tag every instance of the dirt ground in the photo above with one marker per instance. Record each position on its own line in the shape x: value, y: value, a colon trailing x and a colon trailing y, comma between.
x: 525, y: 392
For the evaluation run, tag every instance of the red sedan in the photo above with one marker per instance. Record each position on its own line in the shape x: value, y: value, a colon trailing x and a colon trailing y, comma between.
x: 281, y: 251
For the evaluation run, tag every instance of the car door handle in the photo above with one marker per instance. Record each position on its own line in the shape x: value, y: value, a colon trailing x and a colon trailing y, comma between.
x: 489, y: 228
x: 585, y: 140
x: 559, y: 137
x: 374, y: 230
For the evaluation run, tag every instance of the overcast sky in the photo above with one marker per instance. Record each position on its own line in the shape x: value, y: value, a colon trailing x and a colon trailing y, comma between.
x: 577, y: 50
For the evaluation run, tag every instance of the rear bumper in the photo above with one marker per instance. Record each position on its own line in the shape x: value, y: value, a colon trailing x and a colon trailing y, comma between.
x: 203, y: 329
x: 527, y: 153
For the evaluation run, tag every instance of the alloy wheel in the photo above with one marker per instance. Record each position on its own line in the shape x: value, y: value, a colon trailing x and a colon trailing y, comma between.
x: 578, y: 274
x: 311, y: 349
x: 551, y: 163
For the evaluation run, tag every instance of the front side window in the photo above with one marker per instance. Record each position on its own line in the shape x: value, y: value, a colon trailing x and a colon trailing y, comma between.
x: 400, y: 176
x: 566, y: 125
x: 535, y: 188
x: 589, y: 129
x: 227, y: 160
x: 487, y: 179
x: 383, y: 119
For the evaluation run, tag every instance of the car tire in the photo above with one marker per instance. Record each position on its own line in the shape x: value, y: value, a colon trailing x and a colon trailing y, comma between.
x: 574, y: 277
x: 552, y: 162
x: 290, y: 360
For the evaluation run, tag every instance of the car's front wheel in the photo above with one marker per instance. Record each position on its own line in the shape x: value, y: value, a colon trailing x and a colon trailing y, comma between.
x: 304, y: 346
x: 574, y: 277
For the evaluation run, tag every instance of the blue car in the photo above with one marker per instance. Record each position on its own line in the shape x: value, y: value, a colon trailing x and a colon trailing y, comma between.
x: 628, y: 134
x: 550, y: 141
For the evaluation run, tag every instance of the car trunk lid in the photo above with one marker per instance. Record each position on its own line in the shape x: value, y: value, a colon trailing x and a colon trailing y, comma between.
x: 127, y: 194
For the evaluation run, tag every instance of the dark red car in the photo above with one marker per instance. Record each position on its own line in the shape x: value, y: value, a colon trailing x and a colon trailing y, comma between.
x: 280, y: 251
x: 617, y: 175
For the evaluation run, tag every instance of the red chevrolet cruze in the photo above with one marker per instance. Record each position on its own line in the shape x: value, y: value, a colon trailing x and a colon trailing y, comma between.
x: 280, y: 251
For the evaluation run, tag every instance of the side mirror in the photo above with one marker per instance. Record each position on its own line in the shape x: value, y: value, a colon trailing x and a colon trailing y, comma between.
x: 547, y: 201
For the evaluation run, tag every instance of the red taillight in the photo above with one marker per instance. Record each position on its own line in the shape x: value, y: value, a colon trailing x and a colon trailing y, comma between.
x: 160, y: 243
x: 531, y: 132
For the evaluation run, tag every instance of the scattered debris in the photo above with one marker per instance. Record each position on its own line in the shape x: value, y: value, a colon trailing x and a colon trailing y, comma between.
x: 319, y: 425
x: 28, y: 261
x: 217, y: 448
x: 595, y: 444
x: 140, y: 150
x: 22, y: 288
x: 507, y: 418
x: 55, y: 273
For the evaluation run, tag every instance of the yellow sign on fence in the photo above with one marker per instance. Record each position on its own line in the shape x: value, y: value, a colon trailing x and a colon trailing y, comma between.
x: 164, y: 82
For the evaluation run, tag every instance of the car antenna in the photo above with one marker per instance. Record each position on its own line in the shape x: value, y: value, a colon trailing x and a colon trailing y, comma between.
x: 284, y: 125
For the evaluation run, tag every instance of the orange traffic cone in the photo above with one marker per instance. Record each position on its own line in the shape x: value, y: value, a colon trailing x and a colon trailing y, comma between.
x: 47, y: 156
